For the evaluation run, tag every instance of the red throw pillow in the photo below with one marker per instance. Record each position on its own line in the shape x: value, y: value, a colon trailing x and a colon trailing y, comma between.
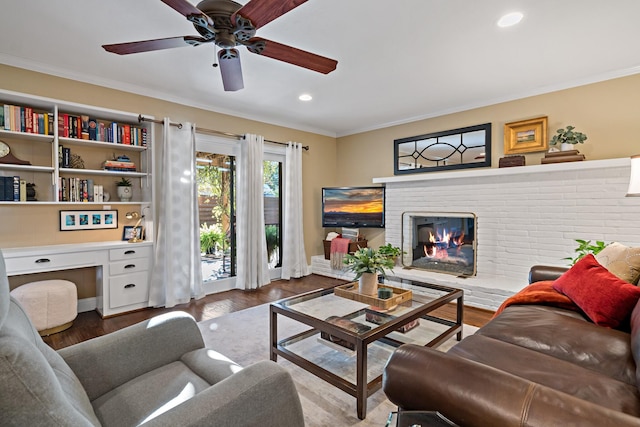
x: 606, y: 299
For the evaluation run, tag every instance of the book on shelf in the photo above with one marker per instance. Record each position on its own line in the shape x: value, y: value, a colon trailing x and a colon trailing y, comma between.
x: 23, y: 126
x: 73, y: 127
x: 28, y: 120
x: 11, y: 189
x: 93, y: 129
x: 84, y: 127
x: 23, y: 190
x: 66, y: 157
x: 562, y: 157
x: 561, y: 153
x: 100, y: 134
x: 113, y: 165
x: 16, y: 188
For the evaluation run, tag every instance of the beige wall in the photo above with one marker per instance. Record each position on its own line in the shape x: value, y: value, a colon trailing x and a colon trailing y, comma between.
x: 608, y: 112
x: 38, y: 224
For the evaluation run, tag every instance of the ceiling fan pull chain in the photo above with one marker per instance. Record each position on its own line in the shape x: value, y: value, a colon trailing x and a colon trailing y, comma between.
x: 215, y: 56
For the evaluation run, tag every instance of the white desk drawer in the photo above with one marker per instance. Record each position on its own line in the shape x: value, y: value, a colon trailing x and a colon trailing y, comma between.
x: 130, y: 252
x: 129, y: 266
x: 128, y: 289
x: 52, y: 262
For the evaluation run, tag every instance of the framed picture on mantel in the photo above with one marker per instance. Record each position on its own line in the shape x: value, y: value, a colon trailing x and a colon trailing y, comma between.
x: 526, y: 136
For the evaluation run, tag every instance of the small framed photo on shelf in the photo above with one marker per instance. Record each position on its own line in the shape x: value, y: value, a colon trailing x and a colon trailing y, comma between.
x: 88, y: 220
x: 131, y: 232
x: 526, y: 136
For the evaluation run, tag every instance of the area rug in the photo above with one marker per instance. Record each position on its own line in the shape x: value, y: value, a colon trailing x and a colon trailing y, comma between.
x: 243, y: 336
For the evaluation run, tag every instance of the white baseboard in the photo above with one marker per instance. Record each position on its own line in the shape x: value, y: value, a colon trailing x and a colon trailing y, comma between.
x: 87, y: 304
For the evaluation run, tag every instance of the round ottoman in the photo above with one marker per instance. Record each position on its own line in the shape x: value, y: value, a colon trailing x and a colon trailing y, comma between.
x: 50, y: 304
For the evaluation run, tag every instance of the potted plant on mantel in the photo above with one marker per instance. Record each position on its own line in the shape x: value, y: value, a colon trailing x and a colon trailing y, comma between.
x: 367, y: 263
x: 568, y: 138
x: 124, y: 189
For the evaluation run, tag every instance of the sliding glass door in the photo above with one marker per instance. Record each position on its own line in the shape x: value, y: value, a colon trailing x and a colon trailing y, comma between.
x: 273, y: 210
x: 216, y: 160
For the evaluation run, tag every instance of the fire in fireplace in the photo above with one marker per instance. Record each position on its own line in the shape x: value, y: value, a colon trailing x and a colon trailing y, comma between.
x: 442, y: 242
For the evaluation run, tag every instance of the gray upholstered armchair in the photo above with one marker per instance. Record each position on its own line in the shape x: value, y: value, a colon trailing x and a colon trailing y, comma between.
x: 155, y: 373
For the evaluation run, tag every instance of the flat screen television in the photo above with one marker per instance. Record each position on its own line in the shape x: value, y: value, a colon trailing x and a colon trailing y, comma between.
x: 357, y: 207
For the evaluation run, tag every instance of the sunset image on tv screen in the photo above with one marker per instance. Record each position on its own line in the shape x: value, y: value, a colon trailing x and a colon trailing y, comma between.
x: 353, y: 206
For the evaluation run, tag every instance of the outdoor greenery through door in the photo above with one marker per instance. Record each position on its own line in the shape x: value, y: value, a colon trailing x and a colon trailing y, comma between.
x: 216, y: 199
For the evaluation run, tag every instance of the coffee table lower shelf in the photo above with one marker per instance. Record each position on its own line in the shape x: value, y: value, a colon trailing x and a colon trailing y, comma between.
x: 361, y: 385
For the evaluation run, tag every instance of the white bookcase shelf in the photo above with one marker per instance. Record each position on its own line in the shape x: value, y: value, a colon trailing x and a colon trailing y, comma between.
x: 43, y: 151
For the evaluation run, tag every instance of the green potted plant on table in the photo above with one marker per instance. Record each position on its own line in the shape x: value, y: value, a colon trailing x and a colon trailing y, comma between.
x: 124, y: 189
x: 367, y: 263
x: 568, y: 138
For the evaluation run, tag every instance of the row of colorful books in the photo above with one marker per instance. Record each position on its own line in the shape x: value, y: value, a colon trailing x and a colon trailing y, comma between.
x: 89, y: 128
x: 79, y: 190
x: 13, y: 189
x: 24, y: 119
x: 19, y: 118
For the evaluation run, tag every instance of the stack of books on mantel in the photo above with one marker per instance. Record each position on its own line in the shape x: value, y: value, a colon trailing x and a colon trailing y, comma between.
x: 562, y: 156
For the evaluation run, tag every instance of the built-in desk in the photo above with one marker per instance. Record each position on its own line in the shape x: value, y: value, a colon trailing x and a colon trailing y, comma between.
x: 122, y: 273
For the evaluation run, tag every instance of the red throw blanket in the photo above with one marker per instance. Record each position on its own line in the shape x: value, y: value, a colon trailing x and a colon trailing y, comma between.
x: 541, y: 293
x: 339, y: 247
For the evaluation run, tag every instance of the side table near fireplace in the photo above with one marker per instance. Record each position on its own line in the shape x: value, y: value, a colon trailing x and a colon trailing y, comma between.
x: 334, y: 329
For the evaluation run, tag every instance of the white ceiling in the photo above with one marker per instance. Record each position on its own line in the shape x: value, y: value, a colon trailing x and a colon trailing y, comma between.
x: 398, y: 60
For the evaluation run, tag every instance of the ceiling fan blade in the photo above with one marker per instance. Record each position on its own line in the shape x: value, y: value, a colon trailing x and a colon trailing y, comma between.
x: 231, y: 70
x: 292, y: 55
x: 155, y: 44
x: 189, y: 11
x: 261, y: 12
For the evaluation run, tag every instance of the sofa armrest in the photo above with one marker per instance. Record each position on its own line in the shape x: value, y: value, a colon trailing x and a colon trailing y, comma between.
x: 261, y: 394
x: 104, y: 363
x: 475, y: 395
x: 538, y: 273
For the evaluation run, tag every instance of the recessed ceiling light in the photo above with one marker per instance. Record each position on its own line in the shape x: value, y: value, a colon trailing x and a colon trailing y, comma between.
x: 305, y: 97
x: 510, y: 19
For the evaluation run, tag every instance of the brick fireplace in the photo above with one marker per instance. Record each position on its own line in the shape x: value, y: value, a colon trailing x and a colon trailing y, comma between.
x: 525, y: 216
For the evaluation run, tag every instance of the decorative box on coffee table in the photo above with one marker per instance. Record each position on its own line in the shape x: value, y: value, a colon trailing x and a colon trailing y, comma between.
x: 350, y: 291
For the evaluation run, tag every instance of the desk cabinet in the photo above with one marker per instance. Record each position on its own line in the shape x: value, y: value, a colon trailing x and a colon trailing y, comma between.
x: 122, y: 269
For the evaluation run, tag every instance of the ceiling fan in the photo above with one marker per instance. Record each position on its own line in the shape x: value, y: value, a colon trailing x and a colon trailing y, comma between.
x: 228, y: 24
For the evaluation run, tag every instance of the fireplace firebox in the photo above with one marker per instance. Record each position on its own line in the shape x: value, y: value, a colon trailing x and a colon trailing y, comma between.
x: 442, y: 242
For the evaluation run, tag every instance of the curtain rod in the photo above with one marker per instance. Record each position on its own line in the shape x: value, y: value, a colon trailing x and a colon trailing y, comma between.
x: 141, y: 118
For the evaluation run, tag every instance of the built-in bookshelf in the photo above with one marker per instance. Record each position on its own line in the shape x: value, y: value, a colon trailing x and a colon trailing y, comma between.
x: 71, y: 146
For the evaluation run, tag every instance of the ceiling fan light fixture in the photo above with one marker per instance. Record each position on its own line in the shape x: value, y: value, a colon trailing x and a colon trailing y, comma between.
x: 305, y: 97
x: 510, y: 19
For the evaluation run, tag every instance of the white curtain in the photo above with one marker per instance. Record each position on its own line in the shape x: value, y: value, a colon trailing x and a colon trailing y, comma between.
x: 177, y: 273
x: 253, y: 268
x: 294, y: 257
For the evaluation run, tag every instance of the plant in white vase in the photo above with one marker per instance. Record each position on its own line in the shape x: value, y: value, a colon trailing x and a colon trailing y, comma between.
x: 568, y: 138
x: 367, y: 263
x: 124, y: 189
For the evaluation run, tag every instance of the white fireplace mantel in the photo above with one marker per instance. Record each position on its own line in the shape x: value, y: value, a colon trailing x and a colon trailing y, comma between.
x: 526, y: 215
x: 516, y: 170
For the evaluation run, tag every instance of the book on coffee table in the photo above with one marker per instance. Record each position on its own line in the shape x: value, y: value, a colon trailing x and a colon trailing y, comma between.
x: 346, y: 324
x: 380, y: 316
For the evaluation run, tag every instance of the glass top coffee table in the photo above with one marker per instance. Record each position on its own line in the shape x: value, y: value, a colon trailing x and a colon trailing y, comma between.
x: 347, y: 342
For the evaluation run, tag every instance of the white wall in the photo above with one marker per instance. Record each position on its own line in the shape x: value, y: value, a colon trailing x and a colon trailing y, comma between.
x: 526, y: 216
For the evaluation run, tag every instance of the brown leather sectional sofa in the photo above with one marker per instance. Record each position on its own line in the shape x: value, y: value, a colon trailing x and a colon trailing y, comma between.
x: 532, y: 365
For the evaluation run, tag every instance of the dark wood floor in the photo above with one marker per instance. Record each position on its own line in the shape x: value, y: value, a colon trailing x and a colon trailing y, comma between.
x: 90, y: 325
